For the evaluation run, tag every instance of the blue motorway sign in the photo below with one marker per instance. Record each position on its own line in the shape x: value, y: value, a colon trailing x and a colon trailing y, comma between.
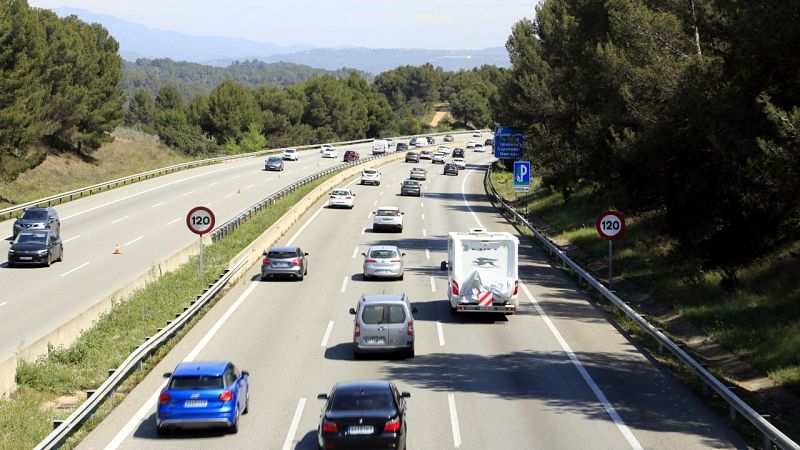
x: 522, y: 176
x: 508, y: 143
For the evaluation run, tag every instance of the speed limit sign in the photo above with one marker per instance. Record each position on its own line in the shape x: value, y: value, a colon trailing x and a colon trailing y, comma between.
x: 610, y: 225
x: 200, y: 220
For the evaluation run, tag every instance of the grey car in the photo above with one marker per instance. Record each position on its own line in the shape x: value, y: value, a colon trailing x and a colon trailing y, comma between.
x: 383, y: 323
x: 383, y: 261
x: 273, y: 163
x: 38, y: 218
x: 411, y: 187
x: 284, y: 262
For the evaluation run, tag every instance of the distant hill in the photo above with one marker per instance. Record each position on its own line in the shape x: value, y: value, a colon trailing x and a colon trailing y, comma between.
x: 192, y: 79
x: 137, y: 41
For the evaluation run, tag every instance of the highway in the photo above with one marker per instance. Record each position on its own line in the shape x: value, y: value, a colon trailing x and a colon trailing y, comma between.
x: 147, y: 221
x: 558, y: 375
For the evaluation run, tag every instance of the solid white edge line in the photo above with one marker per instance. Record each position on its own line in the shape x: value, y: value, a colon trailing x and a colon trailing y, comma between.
x: 433, y: 285
x: 355, y: 252
x: 344, y: 284
x: 120, y: 219
x: 454, y: 421
x: 296, y: 235
x: 71, y: 239
x: 464, y: 197
x: 73, y: 270
x: 601, y: 397
x: 298, y: 413
x: 327, y: 335
x: 427, y: 254
x: 131, y: 242
x: 150, y: 404
x: 440, y: 331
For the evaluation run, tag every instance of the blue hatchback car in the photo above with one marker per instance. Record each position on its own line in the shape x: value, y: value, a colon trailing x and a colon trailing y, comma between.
x: 203, y: 394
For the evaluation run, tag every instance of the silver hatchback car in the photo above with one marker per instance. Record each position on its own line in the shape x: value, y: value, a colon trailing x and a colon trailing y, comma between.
x: 383, y: 323
x: 284, y: 261
x: 383, y: 261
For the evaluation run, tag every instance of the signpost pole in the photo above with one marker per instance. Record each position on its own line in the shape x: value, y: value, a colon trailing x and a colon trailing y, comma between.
x: 609, y: 265
x: 201, y: 255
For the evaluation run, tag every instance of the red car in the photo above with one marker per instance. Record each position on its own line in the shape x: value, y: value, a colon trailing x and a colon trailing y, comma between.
x: 351, y: 155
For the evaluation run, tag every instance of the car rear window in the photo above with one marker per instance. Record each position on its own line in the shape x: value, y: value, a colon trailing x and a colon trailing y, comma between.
x: 195, y: 382
x: 372, y: 314
x: 281, y: 255
x: 340, y: 193
x: 383, y: 254
x: 35, y: 215
x: 410, y: 183
x: 388, y: 212
x: 370, y: 172
x: 362, y: 400
x: 397, y: 314
x: 289, y: 150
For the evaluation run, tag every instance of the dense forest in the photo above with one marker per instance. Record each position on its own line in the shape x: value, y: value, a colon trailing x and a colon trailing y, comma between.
x: 687, y: 109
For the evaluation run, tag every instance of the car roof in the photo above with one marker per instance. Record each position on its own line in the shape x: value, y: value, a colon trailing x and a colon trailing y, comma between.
x: 383, y: 247
x: 207, y: 368
x: 285, y: 248
x: 383, y: 298
x: 355, y: 386
x: 39, y: 208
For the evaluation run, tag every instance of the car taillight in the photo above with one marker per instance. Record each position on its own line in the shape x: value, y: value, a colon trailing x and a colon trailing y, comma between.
x: 454, y: 287
x: 226, y: 396
x: 296, y: 262
x: 371, y: 261
x: 357, y: 331
x: 516, y: 287
x: 410, y: 329
x: 333, y: 196
x: 348, y: 197
x: 163, y: 398
x: 265, y: 261
x: 329, y: 427
x: 396, y: 260
x: 392, y: 426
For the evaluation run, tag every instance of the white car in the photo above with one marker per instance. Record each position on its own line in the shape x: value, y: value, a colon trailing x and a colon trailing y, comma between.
x: 330, y: 152
x: 479, y: 148
x: 387, y: 217
x: 425, y: 155
x: 476, y: 133
x: 470, y: 144
x: 461, y: 163
x: 290, y: 153
x: 443, y: 148
x: 438, y: 158
x: 324, y: 147
x: 342, y: 198
x: 370, y: 176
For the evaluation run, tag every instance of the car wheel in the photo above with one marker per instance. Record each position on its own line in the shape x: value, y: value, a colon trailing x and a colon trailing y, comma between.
x: 401, y: 277
x: 246, y: 403
x: 47, y: 261
x: 300, y: 277
x: 400, y: 230
x: 11, y: 265
x: 357, y: 354
x: 410, y: 352
x: 234, y: 428
x: 453, y: 310
x: 379, y: 183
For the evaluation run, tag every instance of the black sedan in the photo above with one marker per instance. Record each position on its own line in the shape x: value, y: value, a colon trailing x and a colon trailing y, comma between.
x: 450, y: 169
x: 363, y: 414
x: 411, y: 187
x: 35, y: 247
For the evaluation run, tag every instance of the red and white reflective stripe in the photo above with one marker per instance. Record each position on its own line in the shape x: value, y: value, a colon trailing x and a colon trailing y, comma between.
x: 485, y: 298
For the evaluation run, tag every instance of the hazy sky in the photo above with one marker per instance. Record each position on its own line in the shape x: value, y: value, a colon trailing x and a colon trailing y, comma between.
x: 442, y: 24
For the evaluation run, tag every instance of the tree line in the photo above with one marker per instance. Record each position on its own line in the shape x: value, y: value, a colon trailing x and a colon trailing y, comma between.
x: 58, y: 86
x: 685, y: 108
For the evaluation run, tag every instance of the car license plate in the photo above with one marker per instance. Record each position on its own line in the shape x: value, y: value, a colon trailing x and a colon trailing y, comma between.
x: 26, y: 258
x: 195, y: 403
x: 373, y: 340
x: 281, y: 264
x: 360, y: 429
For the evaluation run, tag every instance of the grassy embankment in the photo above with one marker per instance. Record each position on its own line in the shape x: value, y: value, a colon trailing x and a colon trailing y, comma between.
x: 26, y: 418
x: 760, y: 322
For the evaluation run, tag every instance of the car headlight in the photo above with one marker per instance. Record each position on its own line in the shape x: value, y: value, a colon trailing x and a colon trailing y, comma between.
x: 41, y: 252
x: 10, y: 251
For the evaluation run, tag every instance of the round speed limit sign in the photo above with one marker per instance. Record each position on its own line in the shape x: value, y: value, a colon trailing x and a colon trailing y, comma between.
x: 610, y: 225
x: 200, y: 220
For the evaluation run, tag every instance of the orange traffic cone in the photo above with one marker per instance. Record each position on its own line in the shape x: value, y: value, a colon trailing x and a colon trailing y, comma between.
x: 117, y: 251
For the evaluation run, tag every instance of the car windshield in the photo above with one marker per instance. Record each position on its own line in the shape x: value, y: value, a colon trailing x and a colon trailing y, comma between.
x: 410, y: 183
x: 383, y: 254
x: 388, y: 212
x: 281, y: 254
x: 370, y: 172
x: 195, y: 382
x: 289, y: 150
x: 340, y: 193
x: 37, y: 214
x: 31, y: 238
x: 274, y: 159
x: 361, y: 400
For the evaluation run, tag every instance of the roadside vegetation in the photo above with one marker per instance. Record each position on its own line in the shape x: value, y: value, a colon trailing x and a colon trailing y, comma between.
x: 26, y: 418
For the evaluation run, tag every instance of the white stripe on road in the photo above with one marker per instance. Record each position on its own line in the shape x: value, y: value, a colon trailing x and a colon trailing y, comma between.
x: 216, y: 183
x: 433, y: 285
x: 173, y: 221
x: 229, y: 195
x: 453, y: 421
x: 424, y: 232
x: 148, y: 405
x: 235, y: 177
x: 355, y: 252
x: 381, y: 194
x: 296, y: 235
x: 3, y: 304
x: 363, y: 230
x: 287, y: 444
x: 188, y: 193
x: 73, y: 270
x: 131, y: 242
x: 423, y: 217
x: 71, y: 239
x: 374, y: 203
x: 422, y: 204
x: 120, y: 219
x: 440, y: 332
x: 634, y: 443
x: 427, y: 254
x: 327, y: 335
x: 157, y: 204
x: 249, y: 186
x: 369, y: 214
x: 344, y: 284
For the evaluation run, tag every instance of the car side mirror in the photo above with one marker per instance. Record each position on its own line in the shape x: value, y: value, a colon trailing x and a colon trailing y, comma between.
x: 405, y: 394
x: 245, y: 373
x: 402, y: 214
x: 167, y: 374
x: 414, y: 310
x: 322, y: 396
x: 306, y: 253
x: 443, y: 265
x: 364, y: 255
x: 352, y: 311
x: 402, y: 254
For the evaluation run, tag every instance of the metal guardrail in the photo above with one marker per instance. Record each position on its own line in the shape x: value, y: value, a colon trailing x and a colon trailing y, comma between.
x: 771, y: 435
x: 133, y: 362
x: 88, y: 190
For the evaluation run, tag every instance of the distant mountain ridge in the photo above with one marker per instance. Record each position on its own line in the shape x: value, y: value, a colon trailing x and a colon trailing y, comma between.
x: 138, y: 41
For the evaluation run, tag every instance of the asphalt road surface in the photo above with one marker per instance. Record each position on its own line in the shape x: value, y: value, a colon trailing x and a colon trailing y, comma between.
x: 558, y: 375
x: 147, y: 221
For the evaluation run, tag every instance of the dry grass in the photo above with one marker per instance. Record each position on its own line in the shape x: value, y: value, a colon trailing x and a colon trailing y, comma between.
x: 131, y: 152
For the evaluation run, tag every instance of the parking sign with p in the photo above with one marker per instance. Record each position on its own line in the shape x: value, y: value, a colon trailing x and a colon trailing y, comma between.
x: 522, y: 176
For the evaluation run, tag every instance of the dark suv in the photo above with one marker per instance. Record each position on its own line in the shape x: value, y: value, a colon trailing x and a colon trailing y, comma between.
x: 488, y: 143
x: 401, y: 147
x: 38, y: 218
x: 458, y: 152
x: 351, y: 155
x: 430, y: 139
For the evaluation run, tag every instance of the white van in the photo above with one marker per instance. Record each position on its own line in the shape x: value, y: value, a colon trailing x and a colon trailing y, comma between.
x: 380, y: 146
